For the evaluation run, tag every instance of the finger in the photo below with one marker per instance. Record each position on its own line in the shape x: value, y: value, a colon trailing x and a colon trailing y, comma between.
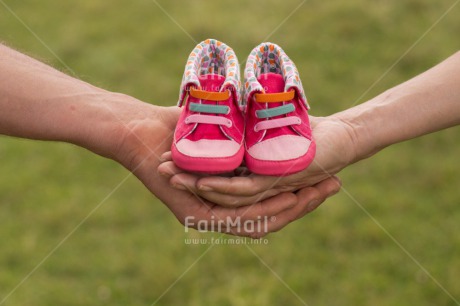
x: 166, y: 156
x: 309, y: 199
x: 267, y: 216
x: 242, y: 186
x: 268, y: 208
x: 185, y: 181
x: 257, y: 211
x: 257, y: 232
x: 188, y: 181
x: 287, y: 216
x: 236, y: 231
x: 325, y: 189
x: 228, y: 225
x: 250, y: 221
x: 286, y: 207
x: 169, y: 169
x: 231, y: 201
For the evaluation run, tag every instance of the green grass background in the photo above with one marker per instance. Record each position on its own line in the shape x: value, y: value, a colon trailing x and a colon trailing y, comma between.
x: 131, y: 250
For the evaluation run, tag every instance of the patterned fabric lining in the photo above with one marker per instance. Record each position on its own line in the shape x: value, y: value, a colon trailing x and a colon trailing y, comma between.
x: 211, y: 57
x: 268, y: 57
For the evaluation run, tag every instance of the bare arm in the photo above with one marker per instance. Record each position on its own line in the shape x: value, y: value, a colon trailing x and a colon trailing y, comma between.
x: 39, y: 102
x: 427, y: 103
x: 422, y: 105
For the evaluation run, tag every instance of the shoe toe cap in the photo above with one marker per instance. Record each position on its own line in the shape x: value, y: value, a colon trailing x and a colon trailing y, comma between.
x: 280, y: 148
x: 208, y: 148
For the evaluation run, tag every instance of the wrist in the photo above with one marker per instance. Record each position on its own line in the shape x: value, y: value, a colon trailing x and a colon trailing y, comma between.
x: 137, y: 133
x: 363, y: 126
x: 103, y: 121
x: 360, y: 141
x: 371, y: 125
x: 335, y: 146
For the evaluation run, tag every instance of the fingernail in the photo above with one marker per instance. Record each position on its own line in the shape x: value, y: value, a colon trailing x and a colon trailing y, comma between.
x: 333, y: 192
x: 312, y: 205
x: 204, y: 188
x: 163, y: 157
x: 179, y: 186
x: 162, y: 173
x: 339, y: 180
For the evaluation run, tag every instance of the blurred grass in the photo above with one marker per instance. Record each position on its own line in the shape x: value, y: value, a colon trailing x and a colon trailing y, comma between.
x: 132, y: 249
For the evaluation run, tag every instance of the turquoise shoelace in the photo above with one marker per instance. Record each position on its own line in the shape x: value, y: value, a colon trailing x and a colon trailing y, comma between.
x: 209, y: 109
x: 275, y: 111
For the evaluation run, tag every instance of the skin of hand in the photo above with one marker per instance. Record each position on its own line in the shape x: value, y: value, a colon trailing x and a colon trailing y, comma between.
x: 424, y: 104
x: 334, y: 152
x: 139, y: 152
x: 39, y: 102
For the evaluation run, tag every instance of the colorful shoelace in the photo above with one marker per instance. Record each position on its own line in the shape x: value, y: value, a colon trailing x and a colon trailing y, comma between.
x: 209, y: 108
x: 275, y: 111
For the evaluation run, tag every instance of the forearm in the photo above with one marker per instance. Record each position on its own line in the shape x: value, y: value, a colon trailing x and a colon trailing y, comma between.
x: 422, y: 105
x: 39, y: 102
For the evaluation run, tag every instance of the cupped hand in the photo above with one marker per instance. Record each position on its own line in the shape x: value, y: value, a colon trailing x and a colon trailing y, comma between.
x: 145, y: 133
x: 334, y: 151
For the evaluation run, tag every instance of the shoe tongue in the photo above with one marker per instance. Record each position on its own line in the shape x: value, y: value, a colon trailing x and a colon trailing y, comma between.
x: 211, y: 82
x: 271, y: 82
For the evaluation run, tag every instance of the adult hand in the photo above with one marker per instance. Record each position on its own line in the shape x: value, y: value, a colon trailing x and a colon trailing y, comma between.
x: 398, y: 114
x: 39, y: 102
x: 146, y: 132
x: 335, y: 150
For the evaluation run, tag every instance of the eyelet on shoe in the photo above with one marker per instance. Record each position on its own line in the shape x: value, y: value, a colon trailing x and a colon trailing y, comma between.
x: 229, y: 123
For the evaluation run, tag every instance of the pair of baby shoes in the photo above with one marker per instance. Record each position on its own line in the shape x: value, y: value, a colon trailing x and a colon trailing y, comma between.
x: 265, y: 123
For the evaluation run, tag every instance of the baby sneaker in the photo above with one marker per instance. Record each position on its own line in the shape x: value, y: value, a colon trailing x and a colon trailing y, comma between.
x: 278, y: 137
x: 210, y: 131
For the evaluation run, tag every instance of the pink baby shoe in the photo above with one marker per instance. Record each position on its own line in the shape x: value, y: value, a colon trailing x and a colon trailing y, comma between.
x: 278, y: 136
x: 210, y: 131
